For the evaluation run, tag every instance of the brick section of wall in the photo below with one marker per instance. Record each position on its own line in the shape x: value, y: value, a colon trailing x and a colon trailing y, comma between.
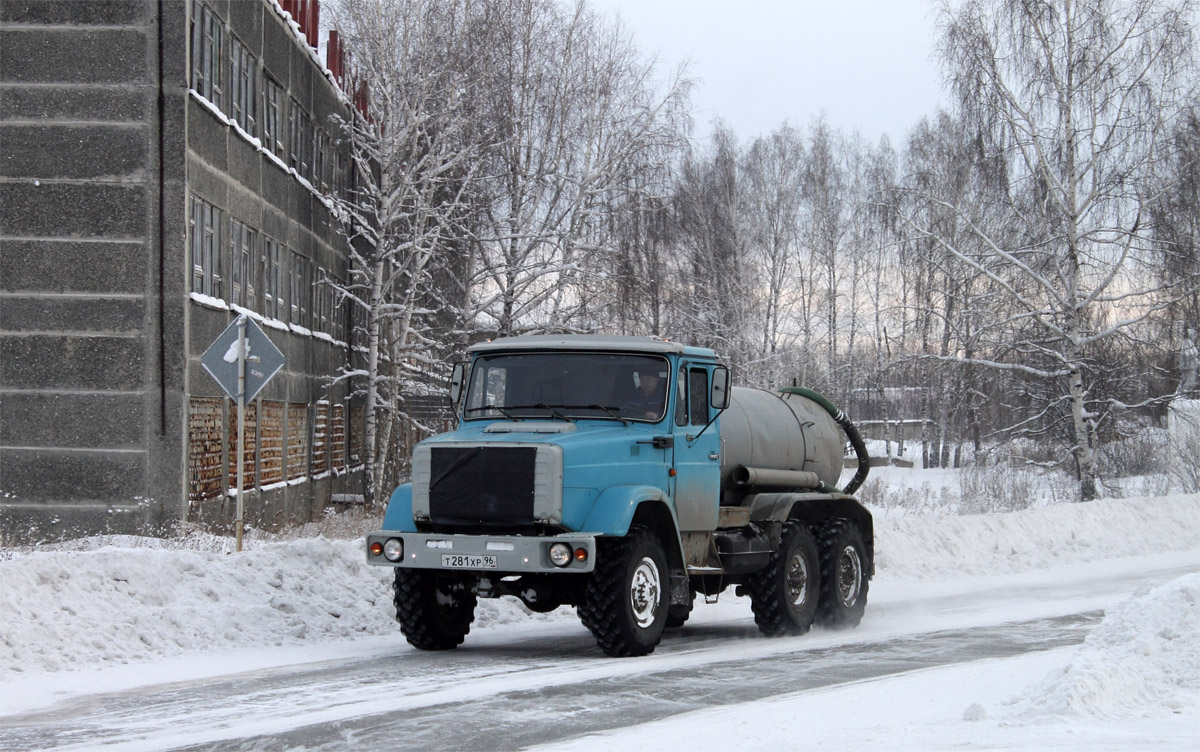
x: 320, y: 443
x: 250, y: 454
x: 337, y: 440
x: 205, y: 436
x: 270, y: 450
x: 297, y: 440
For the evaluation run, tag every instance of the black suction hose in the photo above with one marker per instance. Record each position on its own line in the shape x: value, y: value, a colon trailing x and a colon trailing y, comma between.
x: 856, y: 440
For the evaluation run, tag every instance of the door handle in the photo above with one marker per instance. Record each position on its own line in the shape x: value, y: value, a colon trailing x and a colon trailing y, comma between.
x: 714, y: 456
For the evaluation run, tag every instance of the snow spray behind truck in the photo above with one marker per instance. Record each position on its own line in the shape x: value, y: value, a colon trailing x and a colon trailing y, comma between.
x: 623, y: 475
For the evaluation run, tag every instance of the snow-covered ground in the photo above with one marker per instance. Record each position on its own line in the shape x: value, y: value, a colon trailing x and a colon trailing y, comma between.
x: 133, y: 612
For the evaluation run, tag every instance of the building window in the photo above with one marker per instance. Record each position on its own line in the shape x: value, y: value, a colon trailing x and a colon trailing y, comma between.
x: 300, y: 287
x: 339, y: 175
x: 320, y: 441
x: 205, y: 437
x: 270, y: 451
x: 337, y: 305
x: 243, y: 243
x: 207, y: 31
x: 273, y: 117
x: 324, y: 297
x: 273, y: 299
x: 357, y: 432
x: 299, y: 140
x: 205, y: 232
x: 244, y: 89
x: 297, y: 440
x: 320, y: 163
x: 250, y: 453
x: 337, y: 439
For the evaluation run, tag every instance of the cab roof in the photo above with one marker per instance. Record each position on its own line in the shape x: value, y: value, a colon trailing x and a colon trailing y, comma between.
x: 591, y: 343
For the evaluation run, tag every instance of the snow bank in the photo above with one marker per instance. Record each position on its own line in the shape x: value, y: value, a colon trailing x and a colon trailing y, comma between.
x: 923, y: 548
x: 138, y: 601
x: 64, y: 609
x: 1135, y: 662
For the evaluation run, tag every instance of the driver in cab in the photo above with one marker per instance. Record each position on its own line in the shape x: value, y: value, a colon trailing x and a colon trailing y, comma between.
x: 649, y: 397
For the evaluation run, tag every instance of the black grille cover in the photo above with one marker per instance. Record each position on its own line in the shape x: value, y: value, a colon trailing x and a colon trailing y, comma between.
x: 487, y: 487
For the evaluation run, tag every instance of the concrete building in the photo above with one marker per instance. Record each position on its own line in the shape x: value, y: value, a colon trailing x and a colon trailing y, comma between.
x: 164, y: 167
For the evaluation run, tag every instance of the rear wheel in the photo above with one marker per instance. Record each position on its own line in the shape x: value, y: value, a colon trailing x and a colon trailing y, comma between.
x: 626, y: 603
x: 435, y: 610
x: 784, y: 595
x: 844, y: 580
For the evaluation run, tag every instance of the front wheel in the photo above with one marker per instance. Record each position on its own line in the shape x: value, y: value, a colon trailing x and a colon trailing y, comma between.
x: 435, y: 610
x: 627, y: 599
x: 784, y: 595
x: 844, y: 579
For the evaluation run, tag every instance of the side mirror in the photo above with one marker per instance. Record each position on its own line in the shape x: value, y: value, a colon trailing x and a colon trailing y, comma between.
x: 456, y: 382
x: 720, y: 388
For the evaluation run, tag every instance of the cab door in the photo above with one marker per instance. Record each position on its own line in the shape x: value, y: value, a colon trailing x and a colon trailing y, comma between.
x: 697, y: 455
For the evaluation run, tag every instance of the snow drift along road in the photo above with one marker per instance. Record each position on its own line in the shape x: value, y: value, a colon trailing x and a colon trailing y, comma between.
x: 65, y: 609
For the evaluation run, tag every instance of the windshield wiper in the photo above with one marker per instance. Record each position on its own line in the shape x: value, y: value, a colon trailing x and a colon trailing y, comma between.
x: 502, y: 410
x: 551, y: 410
x: 610, y: 412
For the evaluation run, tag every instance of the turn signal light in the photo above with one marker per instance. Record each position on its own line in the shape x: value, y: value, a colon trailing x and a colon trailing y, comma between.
x: 581, y: 554
x: 376, y: 548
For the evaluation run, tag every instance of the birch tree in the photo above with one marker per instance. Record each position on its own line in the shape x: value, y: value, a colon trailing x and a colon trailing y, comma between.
x: 1080, y: 97
x: 414, y: 157
x: 575, y: 110
x: 774, y: 175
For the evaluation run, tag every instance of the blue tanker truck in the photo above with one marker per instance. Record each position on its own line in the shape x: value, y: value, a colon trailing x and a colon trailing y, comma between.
x: 622, y: 476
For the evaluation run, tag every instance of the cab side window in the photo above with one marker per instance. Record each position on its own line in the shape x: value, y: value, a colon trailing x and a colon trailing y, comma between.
x: 681, y: 402
x: 698, y: 396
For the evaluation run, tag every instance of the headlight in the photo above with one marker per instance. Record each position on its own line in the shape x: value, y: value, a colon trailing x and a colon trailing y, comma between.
x: 393, y: 549
x: 560, y: 554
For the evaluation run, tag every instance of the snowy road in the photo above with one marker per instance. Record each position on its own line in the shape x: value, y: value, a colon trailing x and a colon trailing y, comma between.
x: 514, y: 686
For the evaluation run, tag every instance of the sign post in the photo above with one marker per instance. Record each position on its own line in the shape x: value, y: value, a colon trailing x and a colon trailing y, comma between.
x: 243, y: 342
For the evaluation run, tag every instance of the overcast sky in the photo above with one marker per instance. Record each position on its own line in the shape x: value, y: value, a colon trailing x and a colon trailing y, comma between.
x: 867, y: 64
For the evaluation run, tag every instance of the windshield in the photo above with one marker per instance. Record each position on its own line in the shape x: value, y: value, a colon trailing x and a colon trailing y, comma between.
x: 568, y: 385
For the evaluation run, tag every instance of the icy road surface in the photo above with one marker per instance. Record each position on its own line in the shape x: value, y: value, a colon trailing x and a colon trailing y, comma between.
x: 515, y: 686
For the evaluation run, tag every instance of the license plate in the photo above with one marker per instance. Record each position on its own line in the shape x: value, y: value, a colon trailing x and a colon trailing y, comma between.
x: 467, y: 561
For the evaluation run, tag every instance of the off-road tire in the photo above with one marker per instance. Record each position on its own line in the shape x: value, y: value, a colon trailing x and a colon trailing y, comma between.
x: 628, y: 594
x: 784, y: 595
x: 844, y: 575
x: 677, y: 614
x: 435, y: 610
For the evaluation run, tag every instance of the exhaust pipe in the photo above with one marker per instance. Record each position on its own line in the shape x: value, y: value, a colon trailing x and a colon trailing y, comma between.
x: 764, y: 477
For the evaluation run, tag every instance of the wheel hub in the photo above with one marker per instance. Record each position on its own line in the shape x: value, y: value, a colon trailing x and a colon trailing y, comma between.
x: 797, y: 581
x: 849, y: 575
x: 644, y: 589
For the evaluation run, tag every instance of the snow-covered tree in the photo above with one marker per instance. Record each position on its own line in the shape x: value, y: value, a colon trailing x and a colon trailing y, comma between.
x: 1080, y: 97
x: 415, y: 161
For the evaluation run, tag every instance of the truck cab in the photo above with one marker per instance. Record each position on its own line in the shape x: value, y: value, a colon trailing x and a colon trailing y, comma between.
x: 590, y: 471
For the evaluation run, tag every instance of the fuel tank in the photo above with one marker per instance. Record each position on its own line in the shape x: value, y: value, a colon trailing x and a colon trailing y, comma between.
x: 777, y: 440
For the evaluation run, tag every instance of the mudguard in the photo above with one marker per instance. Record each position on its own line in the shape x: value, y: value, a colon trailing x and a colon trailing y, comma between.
x: 399, y: 515
x: 613, y: 510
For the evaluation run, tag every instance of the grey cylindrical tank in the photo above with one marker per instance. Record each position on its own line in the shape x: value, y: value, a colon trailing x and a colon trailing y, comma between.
x: 762, y: 429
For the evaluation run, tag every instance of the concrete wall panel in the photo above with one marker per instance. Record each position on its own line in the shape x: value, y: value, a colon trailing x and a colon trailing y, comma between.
x: 72, y: 55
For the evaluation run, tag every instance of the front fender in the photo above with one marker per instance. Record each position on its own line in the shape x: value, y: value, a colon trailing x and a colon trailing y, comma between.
x: 399, y: 514
x: 614, y: 508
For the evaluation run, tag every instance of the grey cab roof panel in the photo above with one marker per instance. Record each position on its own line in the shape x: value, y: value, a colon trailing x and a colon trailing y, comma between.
x: 590, y: 342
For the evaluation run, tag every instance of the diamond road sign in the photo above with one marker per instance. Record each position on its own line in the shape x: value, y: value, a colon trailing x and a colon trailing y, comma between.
x: 263, y: 359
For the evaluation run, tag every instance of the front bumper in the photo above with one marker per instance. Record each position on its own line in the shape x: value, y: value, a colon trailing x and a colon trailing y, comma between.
x: 509, y: 553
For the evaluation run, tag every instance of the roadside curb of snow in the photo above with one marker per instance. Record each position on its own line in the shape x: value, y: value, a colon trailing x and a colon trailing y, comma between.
x: 62, y: 610
x: 138, y: 601
x: 1143, y: 659
x: 923, y: 548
